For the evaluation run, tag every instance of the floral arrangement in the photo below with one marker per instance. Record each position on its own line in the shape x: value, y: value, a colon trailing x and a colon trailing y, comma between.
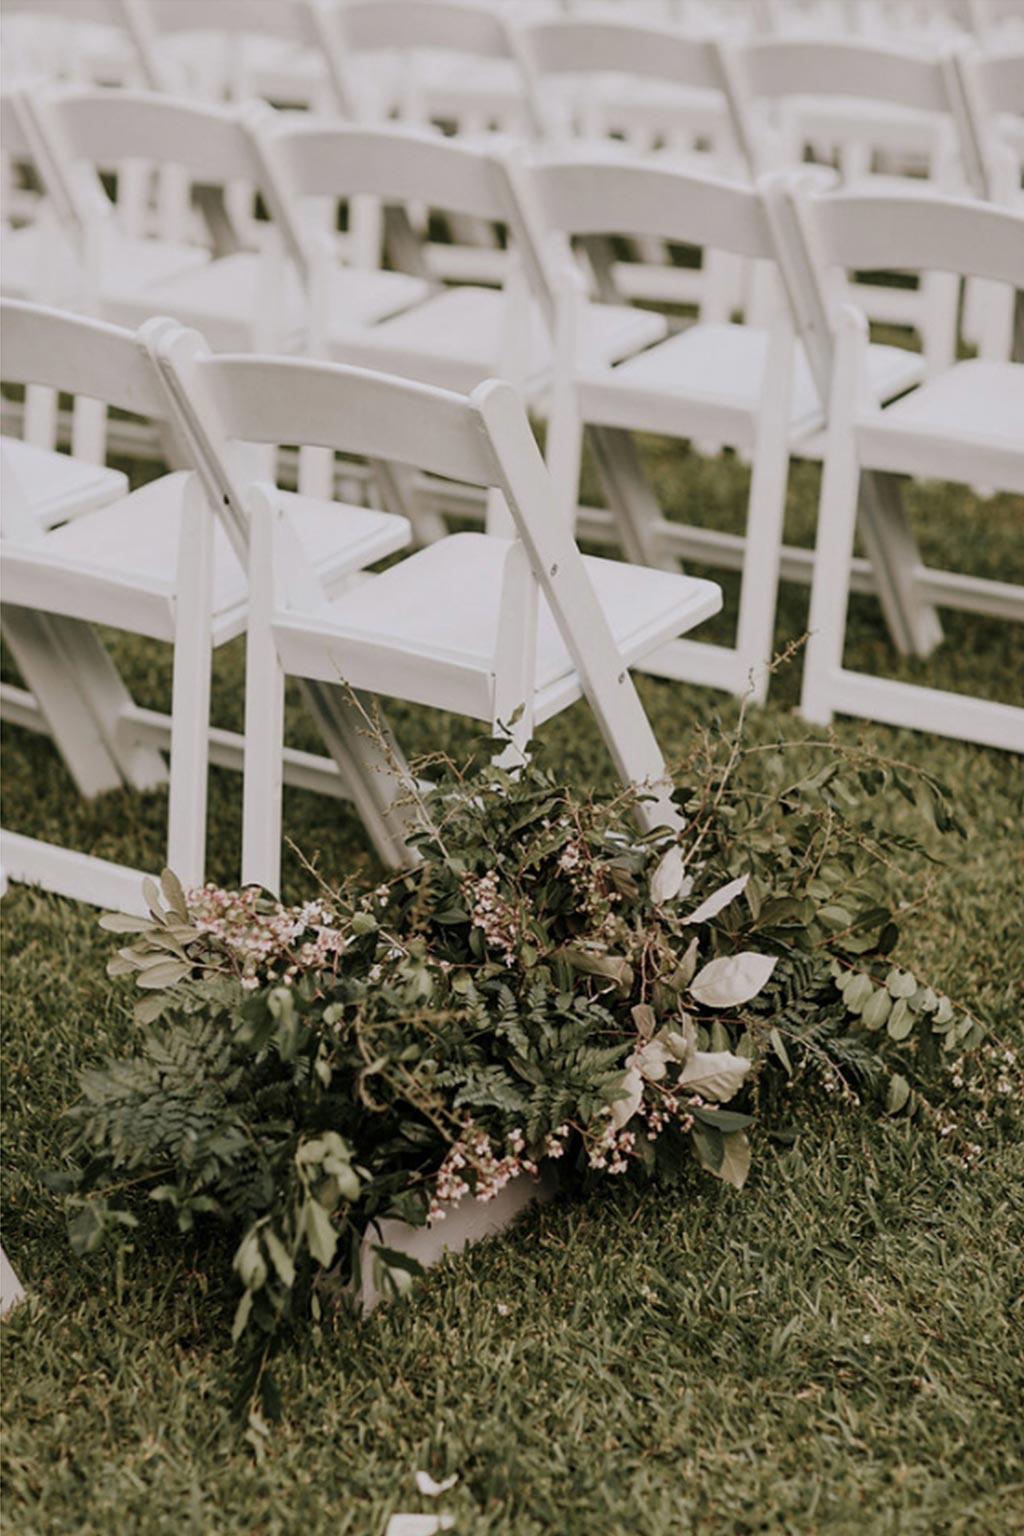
x: 547, y: 987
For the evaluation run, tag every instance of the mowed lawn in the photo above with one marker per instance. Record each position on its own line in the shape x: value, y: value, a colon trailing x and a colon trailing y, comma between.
x: 838, y: 1349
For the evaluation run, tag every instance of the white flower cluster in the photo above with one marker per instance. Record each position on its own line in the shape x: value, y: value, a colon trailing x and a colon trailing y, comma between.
x: 612, y: 1149
x: 498, y: 920
x: 474, y: 1153
x: 267, y: 946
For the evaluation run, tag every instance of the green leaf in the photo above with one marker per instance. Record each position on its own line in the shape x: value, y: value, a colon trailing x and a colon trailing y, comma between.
x: 165, y: 973
x: 901, y: 1020
x: 320, y: 1233
x: 242, y: 1312
x: 877, y: 1010
x: 901, y: 983
x: 88, y: 1226
x: 778, y: 1046
x: 174, y: 896
x: 709, y: 1145
x: 279, y: 1257
x: 898, y: 1095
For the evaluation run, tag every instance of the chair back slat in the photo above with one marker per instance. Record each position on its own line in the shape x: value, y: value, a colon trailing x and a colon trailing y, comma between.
x: 351, y: 410
x: 585, y: 196
x: 779, y: 67
x: 287, y: 20
x: 396, y: 164
x: 890, y: 232
x: 384, y: 25
x: 108, y: 127
x: 79, y: 357
x: 580, y: 46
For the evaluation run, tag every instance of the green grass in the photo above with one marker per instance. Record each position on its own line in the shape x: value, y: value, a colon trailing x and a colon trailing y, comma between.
x: 836, y: 1350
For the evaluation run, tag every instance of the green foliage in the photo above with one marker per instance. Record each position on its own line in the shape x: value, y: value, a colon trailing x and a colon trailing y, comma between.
x: 547, y: 986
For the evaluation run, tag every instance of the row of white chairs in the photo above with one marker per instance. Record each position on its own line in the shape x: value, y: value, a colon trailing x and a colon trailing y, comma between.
x: 461, y: 624
x: 508, y: 629
x: 954, y: 117
x: 611, y: 369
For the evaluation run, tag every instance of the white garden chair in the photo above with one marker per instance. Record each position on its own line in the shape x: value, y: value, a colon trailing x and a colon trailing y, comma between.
x: 739, y: 384
x: 464, y: 334
x: 993, y: 92
x: 234, y: 50
x: 449, y: 62
x: 37, y: 262
x: 506, y: 630
x: 856, y: 102
x: 965, y: 424
x: 424, y: 61
x: 240, y: 297
x: 157, y: 563
x: 655, y: 89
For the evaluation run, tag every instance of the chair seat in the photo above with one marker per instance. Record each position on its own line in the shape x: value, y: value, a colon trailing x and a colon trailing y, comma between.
x: 54, y: 487
x: 974, y: 408
x: 135, y: 542
x: 128, y: 265
x: 221, y: 299
x: 426, y: 629
x: 455, y: 339
x: 722, y: 367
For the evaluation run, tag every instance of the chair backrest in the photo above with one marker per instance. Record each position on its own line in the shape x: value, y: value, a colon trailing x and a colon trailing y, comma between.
x: 369, y: 26
x: 232, y: 408
x: 396, y: 164
x: 897, y: 76
x: 583, y: 196
x: 883, y: 231
x: 993, y: 93
x: 917, y: 88
x: 291, y: 24
x: 582, y: 47
x: 49, y: 351
x: 91, y: 130
x: 57, y: 26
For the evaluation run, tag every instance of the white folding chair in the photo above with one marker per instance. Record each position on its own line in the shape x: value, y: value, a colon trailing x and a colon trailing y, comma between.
x: 36, y: 262
x: 464, y: 334
x: 738, y: 384
x: 868, y: 107
x: 993, y: 89
x: 506, y: 630
x: 277, y: 50
x: 656, y: 90
x: 965, y: 424
x: 157, y: 563
x: 444, y: 61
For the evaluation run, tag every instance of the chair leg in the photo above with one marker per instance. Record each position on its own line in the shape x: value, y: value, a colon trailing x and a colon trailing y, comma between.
x: 190, y: 708
x: 837, y: 522
x: 894, y: 554
x: 766, y: 511
x: 264, y: 716
x: 83, y: 700
x: 630, y: 497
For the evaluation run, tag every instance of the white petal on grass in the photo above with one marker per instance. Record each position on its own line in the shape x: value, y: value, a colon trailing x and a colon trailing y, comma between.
x: 419, y: 1525
x: 732, y: 979
x: 430, y: 1490
x: 667, y: 880
x: 718, y: 900
x: 715, y: 1075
